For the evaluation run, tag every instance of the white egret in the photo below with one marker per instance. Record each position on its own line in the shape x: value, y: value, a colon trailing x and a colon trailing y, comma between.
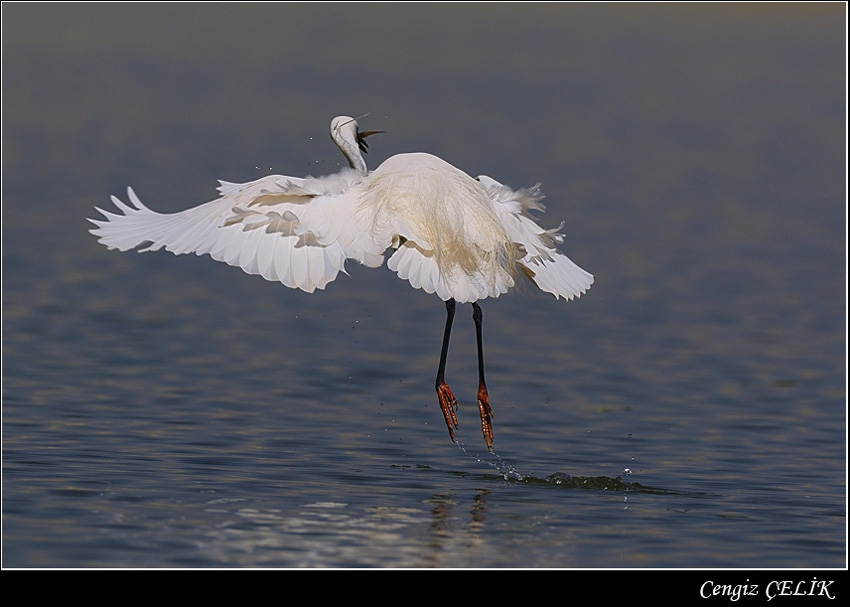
x: 464, y: 239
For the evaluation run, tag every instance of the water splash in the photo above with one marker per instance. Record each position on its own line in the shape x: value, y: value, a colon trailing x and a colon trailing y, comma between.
x: 506, y: 470
x: 562, y: 479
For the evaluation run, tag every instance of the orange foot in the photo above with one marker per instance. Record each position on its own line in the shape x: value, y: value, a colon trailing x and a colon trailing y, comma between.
x: 486, y: 415
x: 448, y: 404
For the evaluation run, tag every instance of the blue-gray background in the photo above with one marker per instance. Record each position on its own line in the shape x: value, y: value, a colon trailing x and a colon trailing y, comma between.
x: 689, y: 410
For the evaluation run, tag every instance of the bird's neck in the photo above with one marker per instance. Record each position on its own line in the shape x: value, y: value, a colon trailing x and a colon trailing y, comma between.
x: 352, y: 155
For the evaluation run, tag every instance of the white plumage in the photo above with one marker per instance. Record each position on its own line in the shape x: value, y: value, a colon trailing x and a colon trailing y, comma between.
x: 464, y: 239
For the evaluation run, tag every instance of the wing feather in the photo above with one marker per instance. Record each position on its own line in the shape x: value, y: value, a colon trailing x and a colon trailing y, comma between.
x: 551, y: 270
x: 295, y: 231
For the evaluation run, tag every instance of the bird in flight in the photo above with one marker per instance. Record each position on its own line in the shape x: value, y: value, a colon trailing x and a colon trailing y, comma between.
x: 460, y: 237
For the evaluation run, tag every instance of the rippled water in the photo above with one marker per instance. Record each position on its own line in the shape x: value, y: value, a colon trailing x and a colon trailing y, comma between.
x: 689, y: 411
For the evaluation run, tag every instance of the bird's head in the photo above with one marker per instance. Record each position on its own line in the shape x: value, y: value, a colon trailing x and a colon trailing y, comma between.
x: 345, y: 129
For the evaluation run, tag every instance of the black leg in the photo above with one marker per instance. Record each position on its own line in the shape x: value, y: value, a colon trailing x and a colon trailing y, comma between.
x: 483, y: 398
x: 448, y: 402
x: 450, y: 316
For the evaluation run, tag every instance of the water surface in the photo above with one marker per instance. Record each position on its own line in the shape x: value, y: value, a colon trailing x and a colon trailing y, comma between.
x: 688, y: 411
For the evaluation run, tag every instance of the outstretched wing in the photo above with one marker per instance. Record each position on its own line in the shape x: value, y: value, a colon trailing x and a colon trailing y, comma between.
x: 296, y: 231
x: 548, y: 268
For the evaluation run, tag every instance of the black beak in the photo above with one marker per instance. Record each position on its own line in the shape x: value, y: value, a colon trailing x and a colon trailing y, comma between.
x: 361, y: 139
